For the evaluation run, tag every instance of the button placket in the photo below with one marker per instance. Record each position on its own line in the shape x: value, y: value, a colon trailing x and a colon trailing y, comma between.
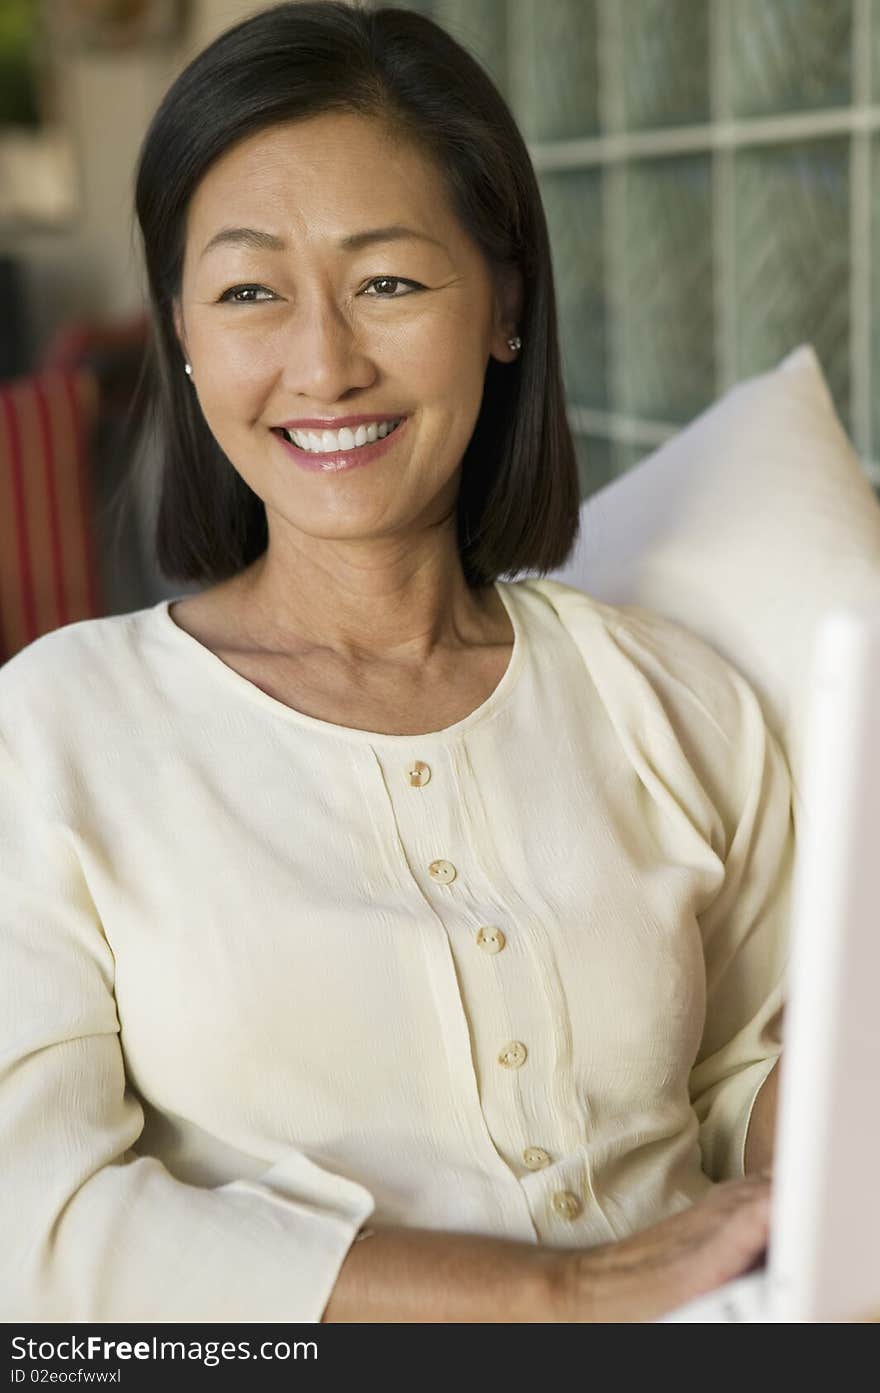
x: 428, y: 797
x: 504, y: 1116
x: 533, y: 997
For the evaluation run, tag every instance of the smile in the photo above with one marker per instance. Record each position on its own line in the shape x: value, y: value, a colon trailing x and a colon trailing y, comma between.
x: 368, y: 443
x: 330, y: 442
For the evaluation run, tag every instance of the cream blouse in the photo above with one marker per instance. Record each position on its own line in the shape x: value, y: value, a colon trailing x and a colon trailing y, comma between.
x: 265, y: 978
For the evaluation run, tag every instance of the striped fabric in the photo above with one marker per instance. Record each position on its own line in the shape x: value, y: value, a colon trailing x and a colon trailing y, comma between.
x: 49, y: 574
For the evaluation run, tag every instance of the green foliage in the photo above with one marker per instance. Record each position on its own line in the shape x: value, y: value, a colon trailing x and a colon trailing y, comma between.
x: 18, y: 37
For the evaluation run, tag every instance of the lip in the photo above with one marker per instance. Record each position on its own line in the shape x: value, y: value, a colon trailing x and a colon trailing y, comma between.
x: 337, y: 422
x: 342, y: 459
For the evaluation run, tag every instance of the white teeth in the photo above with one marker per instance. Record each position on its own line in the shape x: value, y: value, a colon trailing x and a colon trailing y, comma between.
x: 328, y: 441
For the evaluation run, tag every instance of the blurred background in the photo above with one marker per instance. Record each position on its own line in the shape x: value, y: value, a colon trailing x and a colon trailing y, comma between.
x: 707, y: 169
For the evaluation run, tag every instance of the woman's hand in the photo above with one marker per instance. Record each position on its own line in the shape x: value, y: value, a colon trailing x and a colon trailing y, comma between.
x: 646, y: 1276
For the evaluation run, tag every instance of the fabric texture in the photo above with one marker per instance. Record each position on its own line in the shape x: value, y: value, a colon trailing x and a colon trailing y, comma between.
x: 260, y: 983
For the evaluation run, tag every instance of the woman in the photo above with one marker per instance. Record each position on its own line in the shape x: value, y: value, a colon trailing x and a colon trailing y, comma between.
x: 362, y: 885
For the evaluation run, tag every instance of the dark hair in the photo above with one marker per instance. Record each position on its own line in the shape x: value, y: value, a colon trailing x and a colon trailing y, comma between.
x: 519, y: 496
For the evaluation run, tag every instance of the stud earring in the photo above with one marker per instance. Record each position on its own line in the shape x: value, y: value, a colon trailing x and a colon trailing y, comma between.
x: 515, y: 343
x: 187, y: 367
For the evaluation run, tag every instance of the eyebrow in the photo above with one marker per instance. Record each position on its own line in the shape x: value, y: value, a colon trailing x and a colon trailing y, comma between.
x: 267, y: 241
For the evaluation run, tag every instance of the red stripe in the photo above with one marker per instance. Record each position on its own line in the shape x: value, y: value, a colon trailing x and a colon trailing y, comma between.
x: 29, y: 616
x: 52, y: 500
x: 84, y: 494
x: 5, y: 653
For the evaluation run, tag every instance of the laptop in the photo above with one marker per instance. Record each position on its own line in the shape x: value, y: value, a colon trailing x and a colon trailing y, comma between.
x: 823, y: 1261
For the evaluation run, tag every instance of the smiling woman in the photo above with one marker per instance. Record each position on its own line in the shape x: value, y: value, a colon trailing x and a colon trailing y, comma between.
x: 251, y: 246
x: 364, y: 884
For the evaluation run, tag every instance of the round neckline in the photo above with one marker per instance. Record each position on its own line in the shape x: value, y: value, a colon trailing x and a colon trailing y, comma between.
x: 289, y: 713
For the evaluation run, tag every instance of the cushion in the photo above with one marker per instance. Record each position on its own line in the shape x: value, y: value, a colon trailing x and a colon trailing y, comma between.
x: 745, y: 527
x: 49, y: 570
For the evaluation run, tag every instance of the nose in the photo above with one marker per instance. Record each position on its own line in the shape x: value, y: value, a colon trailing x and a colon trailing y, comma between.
x: 323, y: 357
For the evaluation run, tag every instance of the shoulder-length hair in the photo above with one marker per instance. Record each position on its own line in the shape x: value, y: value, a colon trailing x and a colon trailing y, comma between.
x: 518, y: 500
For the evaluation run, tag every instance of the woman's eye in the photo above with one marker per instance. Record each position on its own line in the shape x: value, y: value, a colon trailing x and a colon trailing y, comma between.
x: 231, y: 295
x: 392, y: 280
x: 254, y: 294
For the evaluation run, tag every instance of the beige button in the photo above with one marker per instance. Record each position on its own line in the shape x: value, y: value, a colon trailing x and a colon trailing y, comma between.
x: 566, y: 1204
x: 491, y: 940
x: 442, y: 871
x: 418, y: 773
x: 536, y: 1157
x: 513, y: 1054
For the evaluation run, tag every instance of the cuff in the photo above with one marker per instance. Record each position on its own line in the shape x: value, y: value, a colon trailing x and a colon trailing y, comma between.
x: 757, y: 1077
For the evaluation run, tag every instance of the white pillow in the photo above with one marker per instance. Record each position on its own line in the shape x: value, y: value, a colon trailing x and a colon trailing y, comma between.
x: 745, y: 527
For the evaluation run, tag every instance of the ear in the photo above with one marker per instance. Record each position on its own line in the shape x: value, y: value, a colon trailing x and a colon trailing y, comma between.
x: 508, y: 300
x: 178, y: 327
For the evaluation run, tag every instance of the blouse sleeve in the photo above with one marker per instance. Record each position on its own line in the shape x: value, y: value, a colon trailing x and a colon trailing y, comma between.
x: 92, y: 1231
x: 745, y: 937
x: 713, y: 750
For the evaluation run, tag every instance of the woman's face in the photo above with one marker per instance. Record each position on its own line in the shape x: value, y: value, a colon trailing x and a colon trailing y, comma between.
x: 310, y: 327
